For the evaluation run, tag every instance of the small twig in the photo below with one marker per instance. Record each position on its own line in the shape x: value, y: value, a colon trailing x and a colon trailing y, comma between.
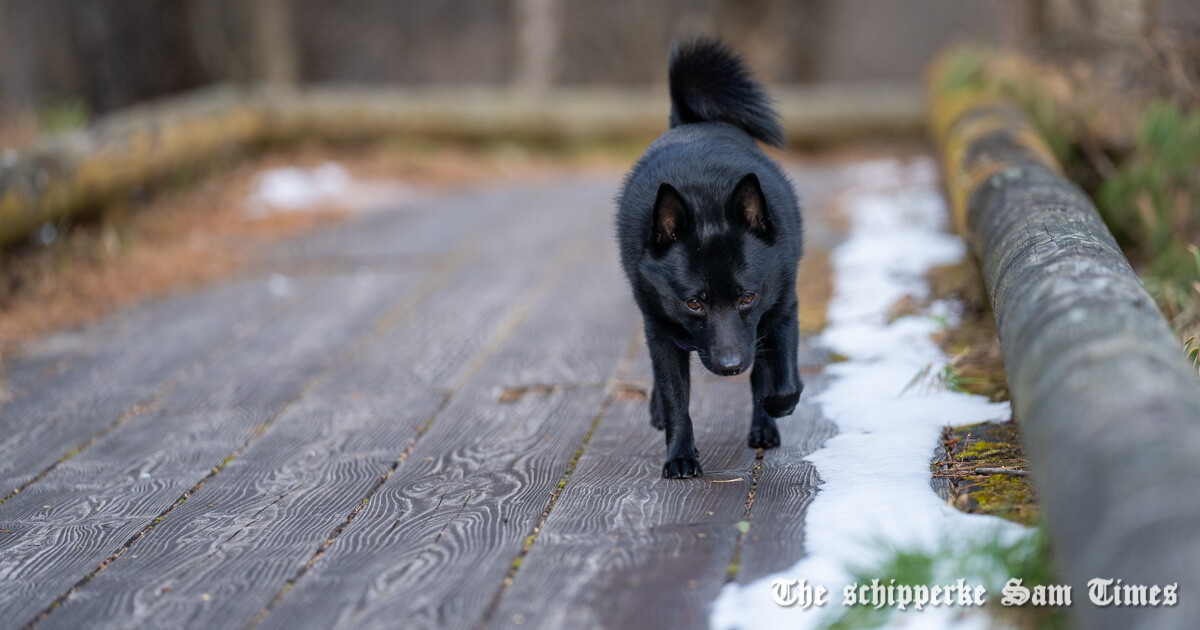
x: 1016, y: 472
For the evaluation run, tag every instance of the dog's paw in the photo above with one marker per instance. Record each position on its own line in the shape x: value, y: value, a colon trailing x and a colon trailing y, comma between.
x: 763, y: 437
x: 780, y: 405
x: 681, y: 468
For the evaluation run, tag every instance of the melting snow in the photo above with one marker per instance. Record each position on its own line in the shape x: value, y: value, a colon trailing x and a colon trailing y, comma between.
x: 294, y: 188
x: 876, y: 494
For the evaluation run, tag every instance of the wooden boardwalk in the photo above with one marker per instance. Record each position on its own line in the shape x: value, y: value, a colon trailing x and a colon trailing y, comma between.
x: 432, y: 416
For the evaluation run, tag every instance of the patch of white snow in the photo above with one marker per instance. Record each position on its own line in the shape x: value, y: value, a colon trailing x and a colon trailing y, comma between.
x: 294, y: 188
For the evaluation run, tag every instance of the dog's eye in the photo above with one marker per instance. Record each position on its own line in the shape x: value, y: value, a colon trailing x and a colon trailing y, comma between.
x: 694, y: 304
x: 748, y: 298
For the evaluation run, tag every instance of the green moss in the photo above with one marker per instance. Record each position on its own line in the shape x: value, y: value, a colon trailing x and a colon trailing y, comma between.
x: 1003, y: 492
x: 992, y: 445
x: 991, y: 451
x: 965, y: 71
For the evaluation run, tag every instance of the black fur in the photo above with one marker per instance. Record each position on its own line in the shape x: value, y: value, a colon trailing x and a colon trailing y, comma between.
x: 704, y: 220
x: 709, y: 84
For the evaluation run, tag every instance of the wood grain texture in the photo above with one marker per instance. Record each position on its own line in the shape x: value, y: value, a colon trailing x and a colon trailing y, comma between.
x: 119, y: 364
x: 787, y: 483
x: 219, y: 557
x: 457, y: 511
x: 624, y: 546
x: 254, y: 526
x: 274, y: 366
x: 106, y: 495
x: 77, y: 383
x: 497, y: 317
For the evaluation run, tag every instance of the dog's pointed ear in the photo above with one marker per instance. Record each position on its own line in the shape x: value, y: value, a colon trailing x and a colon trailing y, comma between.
x: 748, y: 206
x: 671, y: 218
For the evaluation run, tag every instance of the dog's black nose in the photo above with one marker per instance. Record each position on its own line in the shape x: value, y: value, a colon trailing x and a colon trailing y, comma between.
x: 729, y: 363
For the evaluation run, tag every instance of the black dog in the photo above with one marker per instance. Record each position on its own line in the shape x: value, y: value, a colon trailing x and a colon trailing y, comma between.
x: 709, y: 230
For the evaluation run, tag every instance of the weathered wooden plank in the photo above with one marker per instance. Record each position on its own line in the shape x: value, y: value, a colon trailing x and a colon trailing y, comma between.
x: 274, y: 366
x: 624, y: 546
x: 221, y: 556
x: 449, y: 532
x: 122, y: 363
x: 787, y: 483
x: 457, y: 511
x: 499, y: 274
x: 62, y: 528
x: 127, y: 359
x: 431, y: 226
x: 224, y: 553
x: 102, y: 498
x: 502, y: 220
x: 254, y: 526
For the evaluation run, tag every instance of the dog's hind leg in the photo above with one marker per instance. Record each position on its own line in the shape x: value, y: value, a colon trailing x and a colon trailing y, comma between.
x: 669, y: 406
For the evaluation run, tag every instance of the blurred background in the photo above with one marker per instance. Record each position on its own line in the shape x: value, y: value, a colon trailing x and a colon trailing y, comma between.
x: 104, y: 54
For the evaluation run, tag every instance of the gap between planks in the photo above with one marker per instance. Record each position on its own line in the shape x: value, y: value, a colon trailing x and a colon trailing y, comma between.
x: 619, y: 375
x: 735, y: 561
x: 151, y: 401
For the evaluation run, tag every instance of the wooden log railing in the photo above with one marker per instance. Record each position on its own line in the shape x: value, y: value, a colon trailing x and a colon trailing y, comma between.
x: 1108, y: 406
x: 79, y: 170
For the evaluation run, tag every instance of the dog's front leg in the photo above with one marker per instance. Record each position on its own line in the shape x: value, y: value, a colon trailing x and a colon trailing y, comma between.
x: 669, y: 405
x: 775, y: 381
x: 785, y: 383
x: 764, y: 433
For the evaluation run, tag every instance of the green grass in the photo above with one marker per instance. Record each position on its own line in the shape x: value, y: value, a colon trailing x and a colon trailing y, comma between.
x: 989, y: 561
x: 948, y: 378
x: 1153, y: 198
x: 1152, y: 204
x: 1191, y: 347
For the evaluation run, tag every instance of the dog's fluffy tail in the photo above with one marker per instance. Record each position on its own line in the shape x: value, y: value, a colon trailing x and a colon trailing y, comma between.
x: 710, y: 84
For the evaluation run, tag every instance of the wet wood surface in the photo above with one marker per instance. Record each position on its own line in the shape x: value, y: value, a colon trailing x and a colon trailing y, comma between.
x: 433, y: 415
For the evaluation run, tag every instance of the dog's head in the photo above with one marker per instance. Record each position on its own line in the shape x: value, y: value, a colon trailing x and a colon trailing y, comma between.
x: 714, y: 269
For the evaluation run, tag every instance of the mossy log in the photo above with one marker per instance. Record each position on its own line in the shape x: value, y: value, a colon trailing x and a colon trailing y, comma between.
x: 1109, y: 407
x: 80, y: 170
